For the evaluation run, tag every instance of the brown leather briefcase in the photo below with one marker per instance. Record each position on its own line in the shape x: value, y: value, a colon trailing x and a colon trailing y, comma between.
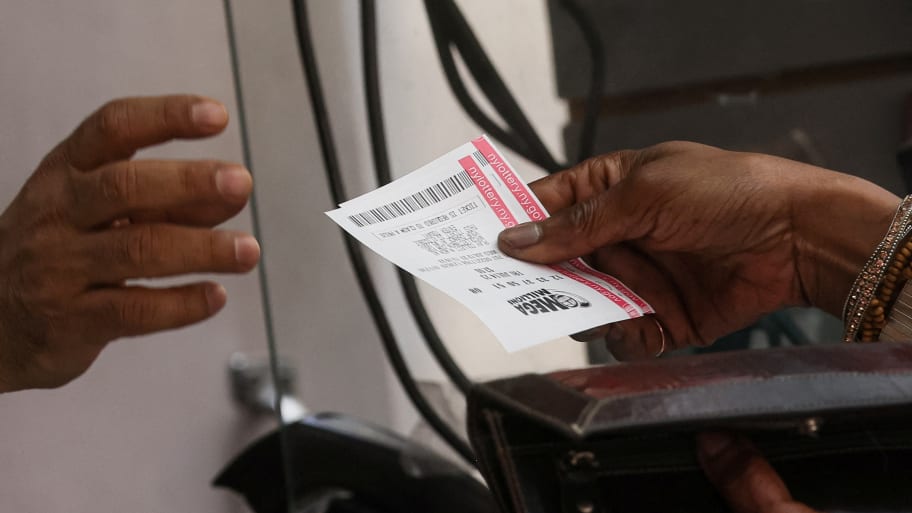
x: 835, y: 421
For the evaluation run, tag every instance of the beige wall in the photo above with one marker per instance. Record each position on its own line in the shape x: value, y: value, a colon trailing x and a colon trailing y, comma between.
x: 423, y: 121
x: 149, y: 426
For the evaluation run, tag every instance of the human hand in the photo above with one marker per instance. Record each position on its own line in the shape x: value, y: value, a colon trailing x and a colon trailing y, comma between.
x: 89, y: 219
x: 743, y: 477
x: 712, y: 239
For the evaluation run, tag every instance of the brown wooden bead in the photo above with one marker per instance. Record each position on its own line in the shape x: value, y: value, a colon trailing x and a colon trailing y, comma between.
x: 890, y: 278
x: 877, y: 311
x: 907, y: 273
x: 875, y: 302
x: 905, y: 251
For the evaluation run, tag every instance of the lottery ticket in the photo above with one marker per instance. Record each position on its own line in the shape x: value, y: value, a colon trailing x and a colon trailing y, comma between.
x: 441, y: 222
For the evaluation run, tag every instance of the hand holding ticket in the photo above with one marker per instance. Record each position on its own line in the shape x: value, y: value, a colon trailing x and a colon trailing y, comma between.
x: 441, y: 223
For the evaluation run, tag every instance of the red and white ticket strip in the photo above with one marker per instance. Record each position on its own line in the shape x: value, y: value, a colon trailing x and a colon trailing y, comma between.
x: 441, y: 223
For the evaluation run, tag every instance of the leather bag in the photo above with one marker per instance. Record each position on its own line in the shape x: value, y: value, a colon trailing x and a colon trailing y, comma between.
x: 834, y: 420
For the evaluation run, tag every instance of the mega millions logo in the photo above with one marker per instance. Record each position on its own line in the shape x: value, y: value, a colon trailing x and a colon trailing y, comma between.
x: 544, y: 301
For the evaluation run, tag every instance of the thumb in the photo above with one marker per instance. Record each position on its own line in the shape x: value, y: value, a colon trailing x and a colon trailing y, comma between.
x: 743, y: 477
x: 575, y: 231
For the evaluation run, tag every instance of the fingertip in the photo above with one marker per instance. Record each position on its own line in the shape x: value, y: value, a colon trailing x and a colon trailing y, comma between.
x: 209, y: 115
x: 246, y: 251
x: 216, y: 297
x: 234, y: 183
x: 712, y: 443
x: 519, y: 237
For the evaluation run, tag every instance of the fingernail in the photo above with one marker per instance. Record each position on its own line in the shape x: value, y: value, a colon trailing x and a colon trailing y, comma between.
x: 209, y: 114
x: 589, y: 335
x: 713, y: 443
x: 216, y: 296
x: 233, y: 183
x: 521, y: 236
x: 246, y: 250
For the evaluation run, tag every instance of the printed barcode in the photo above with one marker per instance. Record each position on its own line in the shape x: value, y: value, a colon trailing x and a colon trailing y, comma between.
x: 482, y: 161
x: 422, y: 199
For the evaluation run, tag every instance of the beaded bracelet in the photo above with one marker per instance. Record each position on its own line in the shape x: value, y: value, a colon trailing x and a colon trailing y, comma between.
x: 861, y: 299
x: 898, y: 272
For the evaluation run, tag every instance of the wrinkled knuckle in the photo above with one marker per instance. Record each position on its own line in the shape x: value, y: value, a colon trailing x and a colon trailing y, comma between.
x: 34, y: 276
x: 47, y: 201
x: 584, y: 219
x: 614, y: 161
x: 29, y: 253
x: 616, y: 165
x: 186, y: 182
x: 138, y: 249
x: 135, y: 312
x: 608, y: 169
x: 119, y: 184
x: 113, y: 120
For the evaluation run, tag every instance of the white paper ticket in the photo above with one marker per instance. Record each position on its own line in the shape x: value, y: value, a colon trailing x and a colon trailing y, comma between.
x: 441, y: 223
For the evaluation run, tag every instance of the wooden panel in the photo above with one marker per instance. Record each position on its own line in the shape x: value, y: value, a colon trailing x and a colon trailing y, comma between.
x: 659, y: 44
x: 854, y: 127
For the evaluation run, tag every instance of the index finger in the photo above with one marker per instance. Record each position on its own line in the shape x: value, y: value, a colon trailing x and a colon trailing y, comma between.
x: 121, y: 127
x: 582, y: 181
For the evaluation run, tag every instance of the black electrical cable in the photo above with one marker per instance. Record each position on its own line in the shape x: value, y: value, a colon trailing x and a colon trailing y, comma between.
x: 382, y: 168
x: 596, y: 78
x: 337, y: 189
x: 451, y: 29
x: 461, y: 36
x: 441, y: 26
x: 458, y: 88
